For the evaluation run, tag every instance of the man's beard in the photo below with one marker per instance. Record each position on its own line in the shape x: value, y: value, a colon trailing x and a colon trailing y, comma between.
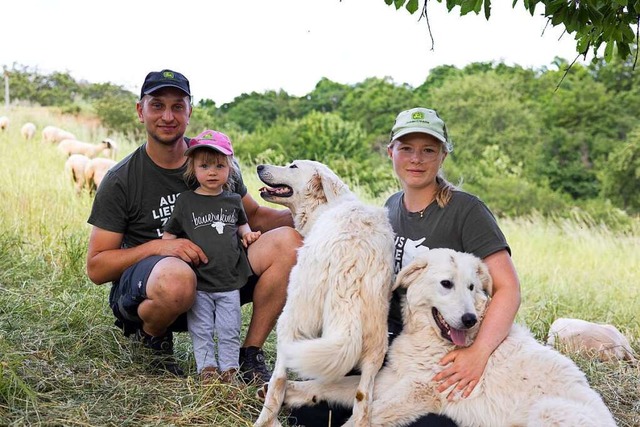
x: 166, y: 140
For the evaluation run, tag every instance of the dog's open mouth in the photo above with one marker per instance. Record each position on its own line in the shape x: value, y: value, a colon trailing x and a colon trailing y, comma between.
x: 280, y: 190
x: 456, y: 336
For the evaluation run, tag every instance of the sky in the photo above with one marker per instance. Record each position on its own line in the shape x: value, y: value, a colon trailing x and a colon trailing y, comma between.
x: 227, y: 48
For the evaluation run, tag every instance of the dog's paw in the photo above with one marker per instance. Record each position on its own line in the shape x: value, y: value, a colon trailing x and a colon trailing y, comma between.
x: 261, y: 393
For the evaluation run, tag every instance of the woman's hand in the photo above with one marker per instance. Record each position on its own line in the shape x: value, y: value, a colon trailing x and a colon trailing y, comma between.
x: 464, y: 367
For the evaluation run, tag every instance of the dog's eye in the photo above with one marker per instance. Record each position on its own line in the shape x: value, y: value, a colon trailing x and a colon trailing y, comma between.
x: 446, y: 284
x: 293, y: 166
x: 472, y: 287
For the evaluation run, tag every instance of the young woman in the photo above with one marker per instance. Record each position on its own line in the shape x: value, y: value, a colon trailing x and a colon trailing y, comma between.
x: 430, y: 212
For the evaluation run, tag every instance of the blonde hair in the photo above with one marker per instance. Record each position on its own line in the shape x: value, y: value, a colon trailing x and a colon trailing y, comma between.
x: 445, y: 190
x: 211, y: 156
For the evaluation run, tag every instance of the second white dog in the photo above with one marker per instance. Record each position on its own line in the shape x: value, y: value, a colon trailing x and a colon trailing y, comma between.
x: 335, y: 317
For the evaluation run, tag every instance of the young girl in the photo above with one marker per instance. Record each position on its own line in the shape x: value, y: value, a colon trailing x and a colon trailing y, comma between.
x: 213, y: 218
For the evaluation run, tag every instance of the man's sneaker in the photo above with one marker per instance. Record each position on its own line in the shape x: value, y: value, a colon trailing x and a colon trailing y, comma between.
x: 162, y: 350
x: 253, y: 368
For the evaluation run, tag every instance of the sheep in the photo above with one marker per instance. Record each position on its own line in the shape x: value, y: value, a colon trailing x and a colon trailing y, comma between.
x: 75, y: 167
x: 4, y: 123
x: 28, y: 130
x: 605, y: 342
x: 52, y: 134
x: 112, y: 151
x: 73, y: 146
x: 95, y: 171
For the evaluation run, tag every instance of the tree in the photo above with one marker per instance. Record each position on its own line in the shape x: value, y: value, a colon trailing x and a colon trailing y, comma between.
x: 117, y: 112
x: 580, y: 123
x: 594, y: 22
x: 326, y: 97
x: 374, y: 104
x: 621, y: 177
x: 254, y: 110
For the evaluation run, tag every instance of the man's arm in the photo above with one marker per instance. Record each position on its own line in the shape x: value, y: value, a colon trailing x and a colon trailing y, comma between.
x: 106, y: 260
x: 263, y: 218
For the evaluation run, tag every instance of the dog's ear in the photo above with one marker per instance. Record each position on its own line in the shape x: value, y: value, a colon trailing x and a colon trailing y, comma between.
x: 332, y: 185
x: 482, y: 296
x: 410, y: 273
x: 316, y: 190
x: 485, y: 278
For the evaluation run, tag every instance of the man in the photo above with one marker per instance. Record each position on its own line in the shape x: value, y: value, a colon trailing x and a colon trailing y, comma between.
x: 154, y: 284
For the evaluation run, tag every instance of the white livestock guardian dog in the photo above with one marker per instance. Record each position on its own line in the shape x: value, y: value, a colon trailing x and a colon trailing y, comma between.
x: 525, y: 383
x: 335, y: 317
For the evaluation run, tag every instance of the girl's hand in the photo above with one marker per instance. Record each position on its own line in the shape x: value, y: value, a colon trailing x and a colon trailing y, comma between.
x: 465, y: 367
x: 250, y: 237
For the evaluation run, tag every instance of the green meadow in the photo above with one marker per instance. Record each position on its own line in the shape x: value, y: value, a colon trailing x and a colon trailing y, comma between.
x: 63, y: 363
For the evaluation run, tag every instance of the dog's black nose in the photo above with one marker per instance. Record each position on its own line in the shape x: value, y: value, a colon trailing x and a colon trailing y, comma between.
x: 259, y: 167
x: 469, y: 319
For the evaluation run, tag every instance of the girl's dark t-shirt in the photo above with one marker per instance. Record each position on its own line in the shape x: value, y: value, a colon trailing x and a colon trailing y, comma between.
x: 212, y: 222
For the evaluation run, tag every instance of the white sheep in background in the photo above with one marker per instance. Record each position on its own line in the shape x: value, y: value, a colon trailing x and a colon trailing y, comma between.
x: 4, y: 123
x: 75, y: 167
x: 28, y: 131
x: 52, y: 134
x: 95, y: 171
x: 604, y: 342
x: 73, y: 146
x: 112, y: 151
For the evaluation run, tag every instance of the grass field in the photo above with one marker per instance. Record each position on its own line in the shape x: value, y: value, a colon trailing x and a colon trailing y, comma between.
x: 62, y: 362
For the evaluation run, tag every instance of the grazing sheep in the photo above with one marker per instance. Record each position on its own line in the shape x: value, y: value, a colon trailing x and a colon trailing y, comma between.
x: 112, y: 151
x: 75, y: 167
x: 604, y: 342
x: 95, y: 171
x: 73, y: 146
x: 28, y: 131
x: 4, y: 122
x: 52, y: 134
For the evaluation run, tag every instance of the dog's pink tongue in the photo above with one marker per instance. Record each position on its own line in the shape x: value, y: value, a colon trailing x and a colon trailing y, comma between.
x: 458, y: 337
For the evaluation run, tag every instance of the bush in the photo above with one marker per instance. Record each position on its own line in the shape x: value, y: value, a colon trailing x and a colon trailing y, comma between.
x: 323, y: 137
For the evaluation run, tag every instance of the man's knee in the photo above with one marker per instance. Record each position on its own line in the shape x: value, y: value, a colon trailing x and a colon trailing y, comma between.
x: 275, y: 252
x: 173, y: 282
x: 289, y: 241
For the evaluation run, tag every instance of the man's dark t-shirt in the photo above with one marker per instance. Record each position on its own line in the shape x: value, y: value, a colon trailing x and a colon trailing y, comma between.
x: 137, y: 197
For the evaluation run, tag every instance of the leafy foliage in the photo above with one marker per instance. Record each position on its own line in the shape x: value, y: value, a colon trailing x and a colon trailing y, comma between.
x: 594, y: 23
x: 622, y: 174
x: 115, y: 111
x: 323, y: 137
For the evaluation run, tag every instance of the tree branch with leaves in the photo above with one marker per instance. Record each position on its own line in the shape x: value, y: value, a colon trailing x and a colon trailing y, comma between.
x: 612, y: 24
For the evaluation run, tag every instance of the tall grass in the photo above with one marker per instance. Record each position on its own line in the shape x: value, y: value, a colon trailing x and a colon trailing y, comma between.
x: 62, y: 362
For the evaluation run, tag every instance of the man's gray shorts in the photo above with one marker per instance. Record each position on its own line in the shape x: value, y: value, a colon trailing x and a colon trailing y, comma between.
x: 131, y: 289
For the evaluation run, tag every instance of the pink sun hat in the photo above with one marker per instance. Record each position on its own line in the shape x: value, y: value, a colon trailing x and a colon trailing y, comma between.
x: 213, y: 140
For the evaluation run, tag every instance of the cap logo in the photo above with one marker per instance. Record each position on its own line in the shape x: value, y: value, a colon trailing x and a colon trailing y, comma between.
x: 418, y: 115
x: 168, y: 75
x: 207, y: 136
